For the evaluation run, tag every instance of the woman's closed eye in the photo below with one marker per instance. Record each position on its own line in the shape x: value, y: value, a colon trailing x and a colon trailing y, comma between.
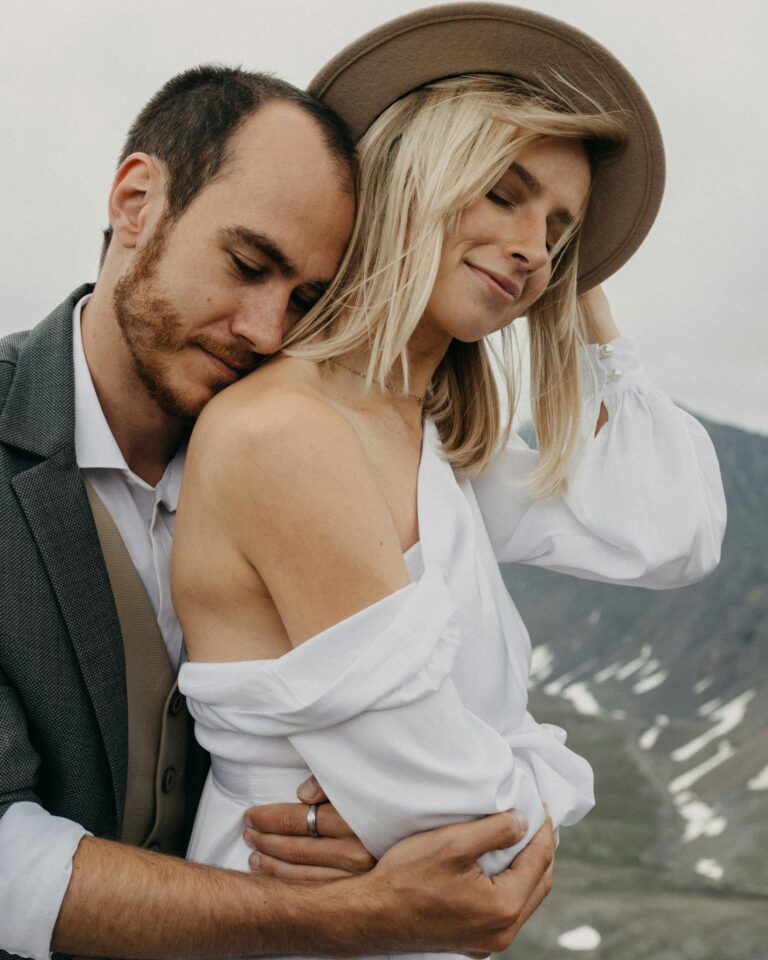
x: 502, y: 199
x: 303, y: 302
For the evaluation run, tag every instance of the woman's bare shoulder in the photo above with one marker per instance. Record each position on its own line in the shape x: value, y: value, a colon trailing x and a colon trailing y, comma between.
x: 271, y: 424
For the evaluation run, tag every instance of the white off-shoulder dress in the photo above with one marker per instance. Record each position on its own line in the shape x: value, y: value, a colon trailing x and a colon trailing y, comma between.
x: 412, y: 713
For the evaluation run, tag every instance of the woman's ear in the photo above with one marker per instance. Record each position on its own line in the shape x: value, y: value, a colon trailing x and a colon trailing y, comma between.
x: 137, y: 199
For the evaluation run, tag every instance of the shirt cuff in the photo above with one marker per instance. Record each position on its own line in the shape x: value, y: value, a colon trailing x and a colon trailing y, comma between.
x: 36, y: 851
x: 609, y: 367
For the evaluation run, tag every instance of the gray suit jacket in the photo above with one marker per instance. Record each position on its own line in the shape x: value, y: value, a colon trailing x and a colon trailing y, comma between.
x: 63, y: 712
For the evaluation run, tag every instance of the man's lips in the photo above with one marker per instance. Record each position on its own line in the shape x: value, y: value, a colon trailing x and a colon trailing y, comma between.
x: 504, y: 284
x: 235, y: 367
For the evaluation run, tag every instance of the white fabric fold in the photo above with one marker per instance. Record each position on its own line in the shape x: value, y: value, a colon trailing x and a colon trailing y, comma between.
x: 392, y: 653
x: 371, y: 708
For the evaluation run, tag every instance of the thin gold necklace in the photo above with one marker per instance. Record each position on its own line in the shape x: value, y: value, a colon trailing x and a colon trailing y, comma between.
x: 400, y: 393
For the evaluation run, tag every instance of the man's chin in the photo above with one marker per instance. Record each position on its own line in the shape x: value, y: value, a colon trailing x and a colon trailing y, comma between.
x: 182, y: 405
x: 190, y: 405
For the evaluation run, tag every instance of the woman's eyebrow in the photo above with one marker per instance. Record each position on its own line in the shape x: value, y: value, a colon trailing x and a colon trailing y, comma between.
x: 527, y: 177
x: 564, y: 216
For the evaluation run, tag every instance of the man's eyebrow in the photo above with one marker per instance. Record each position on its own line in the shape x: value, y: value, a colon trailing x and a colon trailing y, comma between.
x: 535, y: 187
x: 263, y: 244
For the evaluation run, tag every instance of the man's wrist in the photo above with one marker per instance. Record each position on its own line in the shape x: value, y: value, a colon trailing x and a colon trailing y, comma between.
x: 339, y: 918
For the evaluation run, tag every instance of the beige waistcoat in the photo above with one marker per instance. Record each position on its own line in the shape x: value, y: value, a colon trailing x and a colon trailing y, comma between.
x: 158, y: 723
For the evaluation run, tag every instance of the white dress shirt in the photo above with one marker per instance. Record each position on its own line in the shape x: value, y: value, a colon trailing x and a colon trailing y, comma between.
x: 36, y: 849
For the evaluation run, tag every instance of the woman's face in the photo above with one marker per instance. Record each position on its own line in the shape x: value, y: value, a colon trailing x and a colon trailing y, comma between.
x: 496, y: 262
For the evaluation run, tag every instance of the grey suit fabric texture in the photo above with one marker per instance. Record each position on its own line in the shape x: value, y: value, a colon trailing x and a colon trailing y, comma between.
x: 63, y: 711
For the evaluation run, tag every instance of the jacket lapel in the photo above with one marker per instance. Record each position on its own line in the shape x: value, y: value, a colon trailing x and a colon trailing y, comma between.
x: 38, y: 418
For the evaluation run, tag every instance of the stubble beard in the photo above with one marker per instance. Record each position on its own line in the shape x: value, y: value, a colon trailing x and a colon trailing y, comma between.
x: 153, y: 330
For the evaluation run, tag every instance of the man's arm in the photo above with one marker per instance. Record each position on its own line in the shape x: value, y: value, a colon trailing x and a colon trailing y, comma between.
x: 426, y: 894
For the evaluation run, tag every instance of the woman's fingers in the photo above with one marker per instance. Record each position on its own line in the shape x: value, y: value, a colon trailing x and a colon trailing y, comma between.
x: 290, y: 819
x: 347, y: 854
x: 311, y: 792
x: 279, y: 834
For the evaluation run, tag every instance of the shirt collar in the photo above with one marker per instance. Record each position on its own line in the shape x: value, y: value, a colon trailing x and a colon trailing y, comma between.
x: 95, y: 447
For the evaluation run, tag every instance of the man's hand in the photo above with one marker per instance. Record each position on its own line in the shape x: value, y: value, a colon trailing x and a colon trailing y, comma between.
x: 282, y: 846
x: 427, y: 894
x: 437, y: 898
x: 433, y: 895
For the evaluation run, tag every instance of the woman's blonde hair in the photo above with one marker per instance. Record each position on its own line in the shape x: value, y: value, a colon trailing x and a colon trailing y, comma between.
x: 426, y: 159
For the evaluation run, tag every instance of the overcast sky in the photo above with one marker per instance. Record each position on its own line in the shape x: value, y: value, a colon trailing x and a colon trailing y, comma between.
x: 74, y: 74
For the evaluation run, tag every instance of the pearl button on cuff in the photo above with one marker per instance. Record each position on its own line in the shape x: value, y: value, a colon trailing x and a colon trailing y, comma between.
x: 606, y: 350
x: 615, y: 374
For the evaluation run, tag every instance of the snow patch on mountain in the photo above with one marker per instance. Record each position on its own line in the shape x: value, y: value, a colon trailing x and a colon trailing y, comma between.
x: 634, y: 665
x: 650, y: 683
x: 729, y: 716
x: 542, y: 663
x: 580, y: 938
x: 704, y: 684
x: 709, y: 868
x: 701, y: 820
x: 686, y: 780
x: 760, y: 782
x: 582, y: 699
x: 606, y: 673
x: 648, y: 739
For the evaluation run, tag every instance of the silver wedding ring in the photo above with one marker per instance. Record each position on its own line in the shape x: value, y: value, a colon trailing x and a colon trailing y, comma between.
x: 312, y: 820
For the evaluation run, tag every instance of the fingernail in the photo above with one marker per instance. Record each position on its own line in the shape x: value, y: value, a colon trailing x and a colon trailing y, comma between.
x: 254, y: 861
x: 247, y: 838
x: 522, y: 820
x: 249, y: 820
x: 309, y: 791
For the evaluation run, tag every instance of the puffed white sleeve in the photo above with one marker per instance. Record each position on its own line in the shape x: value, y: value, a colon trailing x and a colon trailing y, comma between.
x: 644, y: 503
x: 370, y: 706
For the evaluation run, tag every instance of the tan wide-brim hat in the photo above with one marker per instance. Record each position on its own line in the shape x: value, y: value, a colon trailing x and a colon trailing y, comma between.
x: 452, y: 39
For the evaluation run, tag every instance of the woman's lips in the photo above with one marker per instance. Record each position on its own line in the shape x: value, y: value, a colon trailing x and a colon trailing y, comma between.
x: 497, y: 282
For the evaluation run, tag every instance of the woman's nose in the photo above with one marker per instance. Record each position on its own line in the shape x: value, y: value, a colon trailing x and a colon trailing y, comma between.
x: 528, y: 245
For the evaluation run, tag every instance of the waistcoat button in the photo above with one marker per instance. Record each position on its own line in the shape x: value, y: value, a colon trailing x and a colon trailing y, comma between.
x: 176, y: 705
x: 168, y: 780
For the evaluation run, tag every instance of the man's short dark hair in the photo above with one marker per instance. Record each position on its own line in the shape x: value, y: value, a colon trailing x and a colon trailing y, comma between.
x: 190, y: 122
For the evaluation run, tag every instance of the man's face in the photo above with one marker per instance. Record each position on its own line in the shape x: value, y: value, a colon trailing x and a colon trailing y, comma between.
x: 211, y: 293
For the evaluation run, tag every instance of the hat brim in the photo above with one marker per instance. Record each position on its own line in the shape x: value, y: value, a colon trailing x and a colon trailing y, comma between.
x: 371, y: 73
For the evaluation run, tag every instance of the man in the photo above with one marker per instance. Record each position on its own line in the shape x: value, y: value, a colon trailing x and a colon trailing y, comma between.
x: 229, y: 213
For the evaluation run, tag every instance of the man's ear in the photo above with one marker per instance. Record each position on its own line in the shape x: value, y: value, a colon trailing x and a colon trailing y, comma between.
x: 137, y: 199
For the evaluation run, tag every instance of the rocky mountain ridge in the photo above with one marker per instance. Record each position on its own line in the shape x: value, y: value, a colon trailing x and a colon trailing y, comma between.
x: 666, y: 693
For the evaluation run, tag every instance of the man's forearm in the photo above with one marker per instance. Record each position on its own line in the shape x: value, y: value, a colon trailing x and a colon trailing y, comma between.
x: 126, y: 902
x: 426, y: 895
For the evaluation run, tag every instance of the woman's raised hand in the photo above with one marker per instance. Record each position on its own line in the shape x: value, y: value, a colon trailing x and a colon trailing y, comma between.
x: 599, y: 322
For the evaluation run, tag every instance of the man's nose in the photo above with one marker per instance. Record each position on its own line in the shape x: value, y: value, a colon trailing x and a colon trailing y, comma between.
x: 262, y: 322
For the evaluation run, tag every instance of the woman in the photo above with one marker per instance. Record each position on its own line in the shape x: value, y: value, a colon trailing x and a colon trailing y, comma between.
x: 356, y: 624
